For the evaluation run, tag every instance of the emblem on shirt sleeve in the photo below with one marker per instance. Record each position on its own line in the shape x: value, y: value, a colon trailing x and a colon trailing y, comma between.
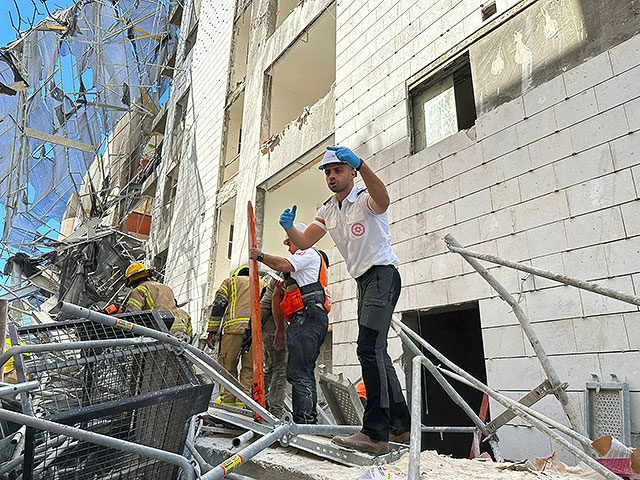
x: 357, y: 229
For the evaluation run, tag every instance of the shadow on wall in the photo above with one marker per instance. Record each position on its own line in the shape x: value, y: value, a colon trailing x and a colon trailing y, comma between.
x: 545, y: 40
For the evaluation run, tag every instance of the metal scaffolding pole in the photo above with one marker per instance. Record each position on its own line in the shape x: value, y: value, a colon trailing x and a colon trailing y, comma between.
x: 550, y: 372
x: 103, y: 440
x: 558, y: 277
x: 194, y: 354
x: 4, y: 307
x: 221, y: 470
x: 536, y: 419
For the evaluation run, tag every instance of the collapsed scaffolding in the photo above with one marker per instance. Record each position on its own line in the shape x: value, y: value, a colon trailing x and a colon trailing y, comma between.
x: 271, y: 429
x: 78, y: 95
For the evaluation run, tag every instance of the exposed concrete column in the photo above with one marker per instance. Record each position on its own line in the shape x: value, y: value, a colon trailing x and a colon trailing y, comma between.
x: 259, y: 213
x: 263, y: 24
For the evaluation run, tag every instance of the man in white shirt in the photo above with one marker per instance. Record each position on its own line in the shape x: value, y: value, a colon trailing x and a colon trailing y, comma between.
x: 305, y: 306
x: 356, y: 219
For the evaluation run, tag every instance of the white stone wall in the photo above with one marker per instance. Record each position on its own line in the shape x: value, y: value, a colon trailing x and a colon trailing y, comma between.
x: 204, y: 72
x: 551, y: 178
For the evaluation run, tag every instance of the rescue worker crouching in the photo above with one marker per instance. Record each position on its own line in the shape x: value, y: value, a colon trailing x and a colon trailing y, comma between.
x: 147, y: 294
x: 231, y: 312
x: 305, y: 306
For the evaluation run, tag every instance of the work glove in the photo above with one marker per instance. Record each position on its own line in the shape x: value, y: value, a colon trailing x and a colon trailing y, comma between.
x: 347, y: 156
x: 287, y: 218
x: 246, y: 340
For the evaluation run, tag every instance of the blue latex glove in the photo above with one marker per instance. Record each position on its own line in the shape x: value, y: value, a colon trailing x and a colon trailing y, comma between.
x: 287, y: 218
x: 347, y: 156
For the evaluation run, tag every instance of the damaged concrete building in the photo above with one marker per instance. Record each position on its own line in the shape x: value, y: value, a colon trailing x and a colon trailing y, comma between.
x: 512, y: 125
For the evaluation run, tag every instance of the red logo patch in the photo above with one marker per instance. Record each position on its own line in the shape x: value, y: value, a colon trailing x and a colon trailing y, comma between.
x: 357, y: 229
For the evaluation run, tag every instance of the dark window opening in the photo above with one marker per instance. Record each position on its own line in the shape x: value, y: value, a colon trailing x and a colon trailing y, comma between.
x: 443, y: 105
x: 456, y: 333
x: 230, y: 242
x: 489, y: 11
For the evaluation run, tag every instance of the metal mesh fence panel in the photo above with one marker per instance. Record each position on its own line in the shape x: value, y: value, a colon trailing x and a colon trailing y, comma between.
x: 140, y: 393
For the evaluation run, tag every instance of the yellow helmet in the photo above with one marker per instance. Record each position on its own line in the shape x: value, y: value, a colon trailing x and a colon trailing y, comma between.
x: 136, y: 270
x: 242, y: 270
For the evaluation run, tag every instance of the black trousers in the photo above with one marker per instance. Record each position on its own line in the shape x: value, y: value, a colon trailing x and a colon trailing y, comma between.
x: 386, y: 411
x: 305, y: 335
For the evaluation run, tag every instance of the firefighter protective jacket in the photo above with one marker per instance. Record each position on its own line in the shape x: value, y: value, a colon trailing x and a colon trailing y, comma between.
x: 235, y: 297
x: 150, y: 295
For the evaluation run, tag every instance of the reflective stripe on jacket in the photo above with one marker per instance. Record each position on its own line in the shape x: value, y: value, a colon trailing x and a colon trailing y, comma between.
x: 236, y: 290
x: 150, y: 295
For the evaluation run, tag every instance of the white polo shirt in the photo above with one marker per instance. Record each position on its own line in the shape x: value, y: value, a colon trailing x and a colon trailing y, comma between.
x: 306, y: 266
x: 361, y: 235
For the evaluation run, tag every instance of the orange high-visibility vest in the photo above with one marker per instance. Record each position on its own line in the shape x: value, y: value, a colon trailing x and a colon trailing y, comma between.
x: 296, y: 298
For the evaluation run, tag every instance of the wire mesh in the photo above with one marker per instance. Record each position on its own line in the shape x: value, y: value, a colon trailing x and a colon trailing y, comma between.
x: 141, y: 393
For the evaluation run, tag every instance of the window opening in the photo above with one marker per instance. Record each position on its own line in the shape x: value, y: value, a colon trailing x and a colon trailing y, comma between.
x: 443, y: 105
x: 233, y: 138
x: 230, y: 245
x: 489, y: 11
x: 301, y: 77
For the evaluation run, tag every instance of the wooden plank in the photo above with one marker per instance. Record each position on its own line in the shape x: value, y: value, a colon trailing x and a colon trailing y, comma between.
x: 56, y: 139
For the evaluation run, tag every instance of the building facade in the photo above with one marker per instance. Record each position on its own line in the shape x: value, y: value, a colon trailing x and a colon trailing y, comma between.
x: 511, y: 125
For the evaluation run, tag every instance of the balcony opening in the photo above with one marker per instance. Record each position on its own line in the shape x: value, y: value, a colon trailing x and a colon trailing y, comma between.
x: 456, y: 333
x: 443, y: 105
x: 283, y: 190
x: 240, y: 48
x: 303, y: 75
x: 285, y: 8
x: 170, y: 191
x: 233, y: 138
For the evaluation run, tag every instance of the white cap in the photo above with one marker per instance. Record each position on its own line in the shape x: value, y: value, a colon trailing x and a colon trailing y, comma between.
x: 300, y: 226
x: 329, y: 157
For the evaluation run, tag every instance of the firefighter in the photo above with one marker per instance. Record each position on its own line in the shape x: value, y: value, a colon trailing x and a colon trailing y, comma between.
x: 357, y: 221
x: 231, y: 312
x: 305, y: 306
x: 147, y: 294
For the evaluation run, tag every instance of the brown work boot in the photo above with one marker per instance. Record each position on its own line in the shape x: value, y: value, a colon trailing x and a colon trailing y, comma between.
x: 363, y: 442
x: 400, y: 438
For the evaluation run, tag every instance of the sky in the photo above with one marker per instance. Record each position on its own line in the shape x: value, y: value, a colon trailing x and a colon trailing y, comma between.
x: 27, y: 9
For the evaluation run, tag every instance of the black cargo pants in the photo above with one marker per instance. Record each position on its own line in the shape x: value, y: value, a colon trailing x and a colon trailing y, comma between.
x: 305, y: 335
x: 386, y: 411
